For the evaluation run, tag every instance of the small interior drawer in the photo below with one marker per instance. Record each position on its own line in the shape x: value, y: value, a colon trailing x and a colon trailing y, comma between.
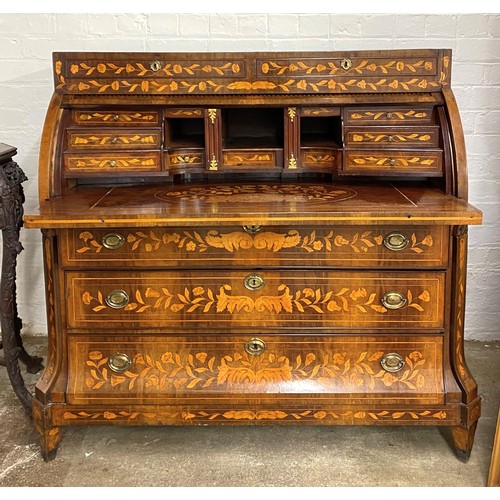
x: 319, y: 157
x: 393, y: 162
x: 392, y: 137
x: 114, y: 139
x: 387, y: 115
x: 107, y: 163
x: 252, y: 157
x: 115, y: 118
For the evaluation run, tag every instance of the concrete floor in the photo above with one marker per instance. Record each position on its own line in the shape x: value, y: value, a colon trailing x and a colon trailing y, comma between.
x: 249, y: 456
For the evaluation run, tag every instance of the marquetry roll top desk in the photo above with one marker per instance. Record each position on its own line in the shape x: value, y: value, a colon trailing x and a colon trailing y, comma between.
x: 253, y: 238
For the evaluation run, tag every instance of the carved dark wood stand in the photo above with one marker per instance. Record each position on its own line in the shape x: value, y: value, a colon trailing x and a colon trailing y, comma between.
x: 11, y: 213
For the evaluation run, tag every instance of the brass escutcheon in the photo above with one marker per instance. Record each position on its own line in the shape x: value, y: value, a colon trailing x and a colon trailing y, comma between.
x: 117, y: 299
x: 389, y: 116
x: 392, y: 362
x: 252, y: 228
x: 155, y: 66
x: 119, y: 362
x: 254, y: 282
x: 390, y: 138
x: 114, y: 140
x: 346, y: 64
x: 393, y: 300
x: 396, y: 241
x: 255, y: 346
x: 111, y: 241
x: 116, y: 118
x: 392, y: 162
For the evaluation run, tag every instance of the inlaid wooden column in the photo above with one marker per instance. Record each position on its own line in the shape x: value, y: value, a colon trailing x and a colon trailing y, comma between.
x: 213, y: 139
x: 292, y: 137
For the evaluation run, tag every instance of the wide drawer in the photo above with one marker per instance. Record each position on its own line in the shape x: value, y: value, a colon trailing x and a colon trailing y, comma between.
x: 387, y: 115
x: 118, y: 161
x: 343, y: 369
x: 113, y: 117
x: 118, y: 138
x: 249, y: 246
x: 392, y: 137
x: 266, y: 299
x: 394, y: 162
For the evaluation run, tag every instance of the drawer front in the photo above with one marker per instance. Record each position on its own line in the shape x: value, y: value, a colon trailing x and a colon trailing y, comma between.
x: 387, y: 115
x: 369, y: 162
x: 250, y: 298
x: 319, y: 157
x: 184, y: 113
x: 424, y: 137
x: 251, y: 246
x: 319, y: 369
x: 242, y: 158
x: 122, y: 118
x: 185, y: 158
x: 320, y: 111
x: 111, y: 162
x: 115, y: 139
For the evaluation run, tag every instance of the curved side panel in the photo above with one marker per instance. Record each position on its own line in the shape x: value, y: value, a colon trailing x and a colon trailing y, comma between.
x: 48, y: 148
x: 459, y: 154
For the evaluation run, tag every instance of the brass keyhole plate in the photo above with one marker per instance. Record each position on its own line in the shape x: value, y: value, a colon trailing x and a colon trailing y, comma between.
x: 254, y: 282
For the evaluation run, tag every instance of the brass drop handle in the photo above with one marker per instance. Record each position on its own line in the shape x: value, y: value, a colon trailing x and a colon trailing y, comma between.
x: 392, y: 162
x: 155, y: 66
x: 116, y: 118
x: 112, y: 241
x: 346, y: 64
x: 254, y: 282
x: 252, y: 228
x: 393, y: 300
x: 119, y: 362
x: 117, y: 299
x: 392, y: 362
x: 396, y: 241
x: 186, y: 159
x: 390, y: 138
x: 255, y: 346
x: 112, y: 163
x: 389, y: 116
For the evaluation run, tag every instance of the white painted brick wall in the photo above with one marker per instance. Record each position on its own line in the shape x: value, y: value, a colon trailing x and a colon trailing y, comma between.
x: 27, y: 41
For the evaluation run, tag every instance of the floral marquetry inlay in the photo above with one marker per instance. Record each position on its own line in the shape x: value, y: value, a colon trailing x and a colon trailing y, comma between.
x: 388, y: 137
x: 332, y: 67
x: 308, y: 241
x: 410, y: 161
x: 203, y: 300
x: 252, y: 73
x: 120, y: 117
x: 258, y: 193
x: 201, y: 370
x: 338, y: 416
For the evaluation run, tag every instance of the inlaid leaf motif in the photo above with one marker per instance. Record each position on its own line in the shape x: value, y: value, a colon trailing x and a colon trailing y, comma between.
x: 192, y: 371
